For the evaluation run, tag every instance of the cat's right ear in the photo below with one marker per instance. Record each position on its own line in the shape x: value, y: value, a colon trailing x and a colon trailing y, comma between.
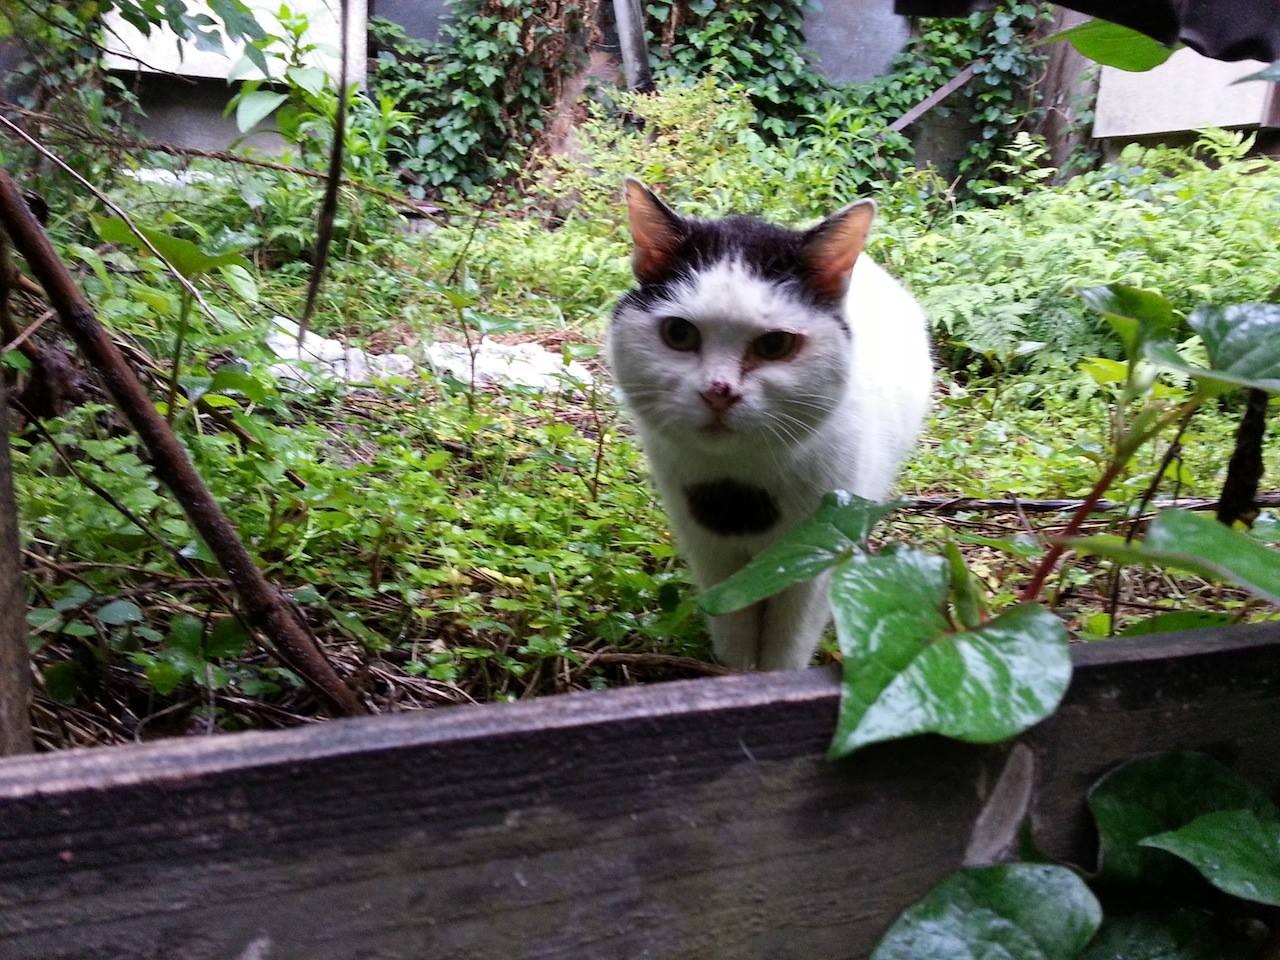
x: 657, y: 231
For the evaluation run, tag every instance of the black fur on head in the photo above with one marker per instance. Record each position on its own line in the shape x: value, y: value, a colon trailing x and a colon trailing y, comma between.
x: 671, y: 247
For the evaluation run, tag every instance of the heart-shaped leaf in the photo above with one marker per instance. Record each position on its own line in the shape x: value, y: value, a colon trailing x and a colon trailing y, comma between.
x: 1153, y: 795
x: 1236, y: 850
x: 1138, y: 316
x: 1115, y: 46
x: 1022, y: 910
x: 840, y: 526
x: 1189, y: 541
x: 1181, y: 935
x: 1243, y: 344
x: 908, y: 671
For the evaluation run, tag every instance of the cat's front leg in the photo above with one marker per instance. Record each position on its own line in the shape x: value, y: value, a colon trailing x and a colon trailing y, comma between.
x: 792, y: 624
x: 735, y: 637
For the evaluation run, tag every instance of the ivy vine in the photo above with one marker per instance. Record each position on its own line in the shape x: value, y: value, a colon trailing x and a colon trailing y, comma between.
x: 481, y: 94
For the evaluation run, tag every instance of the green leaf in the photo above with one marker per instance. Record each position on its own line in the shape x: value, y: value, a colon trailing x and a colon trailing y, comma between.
x: 1235, y: 850
x: 1155, y: 794
x: 965, y: 590
x: 1115, y: 46
x: 906, y: 671
x: 1017, y: 910
x: 62, y: 681
x: 187, y: 258
x: 1243, y: 343
x: 1182, y: 935
x: 1178, y: 620
x: 232, y: 376
x: 1189, y: 541
x: 310, y: 79
x: 227, y: 639
x: 118, y: 612
x: 1137, y: 316
x: 163, y: 676
x: 1269, y: 74
x: 840, y: 526
x: 241, y: 281
x: 255, y: 107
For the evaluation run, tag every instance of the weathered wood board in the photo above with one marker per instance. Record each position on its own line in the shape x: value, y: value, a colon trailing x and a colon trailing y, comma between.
x: 695, y: 819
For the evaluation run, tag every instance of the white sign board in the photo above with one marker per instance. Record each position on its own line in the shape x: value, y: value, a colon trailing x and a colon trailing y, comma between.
x: 1186, y: 92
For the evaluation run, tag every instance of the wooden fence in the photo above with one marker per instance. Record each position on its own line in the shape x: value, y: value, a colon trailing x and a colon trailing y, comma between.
x: 694, y: 819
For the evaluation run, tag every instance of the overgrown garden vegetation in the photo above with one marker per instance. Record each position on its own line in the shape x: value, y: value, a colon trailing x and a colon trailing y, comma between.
x: 450, y: 540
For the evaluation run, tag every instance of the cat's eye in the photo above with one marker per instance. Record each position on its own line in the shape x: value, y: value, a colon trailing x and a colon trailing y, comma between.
x: 775, y: 345
x: 679, y: 334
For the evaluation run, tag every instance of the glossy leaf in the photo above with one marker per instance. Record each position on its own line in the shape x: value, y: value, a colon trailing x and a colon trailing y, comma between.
x: 1191, y: 541
x: 1115, y: 46
x: 1156, y: 794
x: 1236, y: 850
x: 1137, y: 316
x: 907, y: 671
x: 1181, y: 935
x: 1243, y: 345
x: 840, y: 526
x: 187, y: 258
x: 118, y: 612
x: 1022, y: 910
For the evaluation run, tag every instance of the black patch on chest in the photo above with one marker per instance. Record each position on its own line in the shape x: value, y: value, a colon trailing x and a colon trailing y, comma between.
x: 730, y: 508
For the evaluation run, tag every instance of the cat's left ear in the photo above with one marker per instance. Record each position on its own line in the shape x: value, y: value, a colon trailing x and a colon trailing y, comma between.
x: 832, y: 247
x: 657, y: 231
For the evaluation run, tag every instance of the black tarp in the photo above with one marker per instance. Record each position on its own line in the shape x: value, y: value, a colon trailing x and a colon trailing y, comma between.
x: 1223, y: 30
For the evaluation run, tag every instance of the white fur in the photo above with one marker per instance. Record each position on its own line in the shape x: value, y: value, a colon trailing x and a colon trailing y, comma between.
x: 841, y: 414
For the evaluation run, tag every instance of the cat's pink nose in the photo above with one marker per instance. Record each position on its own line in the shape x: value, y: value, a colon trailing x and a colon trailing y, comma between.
x: 720, y: 396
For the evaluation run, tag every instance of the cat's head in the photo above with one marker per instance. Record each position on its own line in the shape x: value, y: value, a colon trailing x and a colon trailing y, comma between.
x: 735, y: 335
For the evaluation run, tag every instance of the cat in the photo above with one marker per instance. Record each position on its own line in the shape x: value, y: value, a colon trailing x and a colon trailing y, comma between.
x: 763, y: 367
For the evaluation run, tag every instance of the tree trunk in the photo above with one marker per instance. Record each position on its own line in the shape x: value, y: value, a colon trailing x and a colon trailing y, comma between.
x: 15, y: 661
x: 1070, y: 86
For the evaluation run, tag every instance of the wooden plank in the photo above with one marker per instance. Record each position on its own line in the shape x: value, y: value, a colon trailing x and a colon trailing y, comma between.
x: 694, y: 819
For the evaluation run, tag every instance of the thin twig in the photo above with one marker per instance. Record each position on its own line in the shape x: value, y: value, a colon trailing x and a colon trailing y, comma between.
x: 28, y: 332
x: 329, y: 205
x: 114, y: 208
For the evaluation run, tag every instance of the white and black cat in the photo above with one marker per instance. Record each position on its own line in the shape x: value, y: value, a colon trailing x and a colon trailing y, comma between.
x: 764, y: 367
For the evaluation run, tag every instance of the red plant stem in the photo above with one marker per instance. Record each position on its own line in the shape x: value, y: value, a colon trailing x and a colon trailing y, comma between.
x: 264, y: 604
x: 1050, y: 559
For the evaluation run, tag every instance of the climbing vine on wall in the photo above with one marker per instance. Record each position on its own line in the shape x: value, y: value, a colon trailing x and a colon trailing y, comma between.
x: 761, y: 46
x: 481, y: 94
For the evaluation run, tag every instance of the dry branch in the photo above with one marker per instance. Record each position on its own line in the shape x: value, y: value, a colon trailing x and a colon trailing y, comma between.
x: 962, y: 504
x: 265, y: 606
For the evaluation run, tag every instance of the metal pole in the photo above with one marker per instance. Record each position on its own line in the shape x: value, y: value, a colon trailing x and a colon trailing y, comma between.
x: 635, y: 52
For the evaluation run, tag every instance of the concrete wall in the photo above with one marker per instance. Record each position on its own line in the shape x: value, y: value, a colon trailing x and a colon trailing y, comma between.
x: 1186, y: 92
x: 855, y: 39
x: 419, y: 18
